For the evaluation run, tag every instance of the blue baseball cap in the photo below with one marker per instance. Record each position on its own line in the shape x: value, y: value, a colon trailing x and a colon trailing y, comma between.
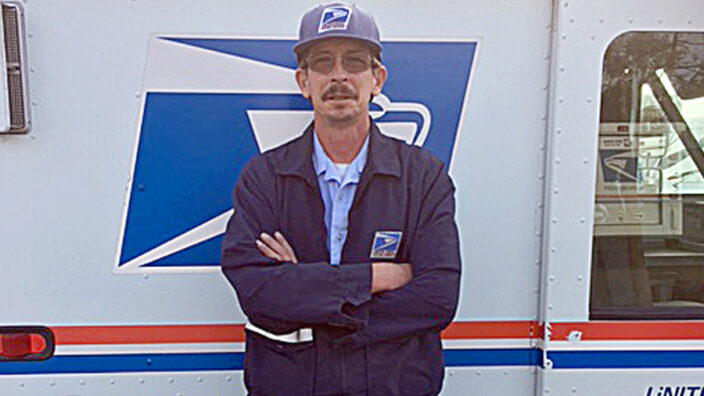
x: 337, y: 20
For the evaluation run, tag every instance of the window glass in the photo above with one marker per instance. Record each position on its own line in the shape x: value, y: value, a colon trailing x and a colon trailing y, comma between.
x: 648, y: 250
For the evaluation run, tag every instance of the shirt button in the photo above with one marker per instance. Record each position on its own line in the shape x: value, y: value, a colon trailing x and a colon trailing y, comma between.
x: 339, y: 237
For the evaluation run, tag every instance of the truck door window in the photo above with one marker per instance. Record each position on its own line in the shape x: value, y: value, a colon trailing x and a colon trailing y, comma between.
x: 648, y: 247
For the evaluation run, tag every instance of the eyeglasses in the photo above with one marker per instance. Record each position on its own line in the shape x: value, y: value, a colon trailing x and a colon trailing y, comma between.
x: 351, y: 62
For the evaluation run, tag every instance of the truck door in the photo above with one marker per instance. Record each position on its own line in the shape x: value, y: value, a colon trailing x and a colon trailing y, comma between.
x: 623, y: 280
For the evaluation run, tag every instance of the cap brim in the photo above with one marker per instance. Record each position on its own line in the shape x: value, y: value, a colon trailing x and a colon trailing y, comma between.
x: 302, y: 45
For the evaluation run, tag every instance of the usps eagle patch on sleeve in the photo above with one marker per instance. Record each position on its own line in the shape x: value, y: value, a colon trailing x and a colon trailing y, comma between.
x: 386, y: 244
x: 334, y: 18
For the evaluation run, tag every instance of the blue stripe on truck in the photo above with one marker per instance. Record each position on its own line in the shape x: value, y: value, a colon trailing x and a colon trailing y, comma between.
x: 127, y: 363
x: 625, y: 359
x: 453, y: 358
x: 230, y: 361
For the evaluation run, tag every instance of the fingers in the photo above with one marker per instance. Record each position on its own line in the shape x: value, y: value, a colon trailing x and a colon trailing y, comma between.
x: 276, y: 247
x: 289, y: 250
x: 267, y: 251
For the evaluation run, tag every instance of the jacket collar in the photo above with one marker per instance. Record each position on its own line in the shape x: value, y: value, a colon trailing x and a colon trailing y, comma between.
x: 297, y: 156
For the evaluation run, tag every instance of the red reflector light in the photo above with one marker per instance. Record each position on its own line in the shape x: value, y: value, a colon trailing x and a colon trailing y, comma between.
x: 38, y: 343
x: 622, y: 128
x: 16, y: 345
x: 26, y: 343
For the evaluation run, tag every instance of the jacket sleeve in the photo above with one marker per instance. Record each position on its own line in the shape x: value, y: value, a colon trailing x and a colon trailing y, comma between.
x: 283, y: 297
x: 429, y: 301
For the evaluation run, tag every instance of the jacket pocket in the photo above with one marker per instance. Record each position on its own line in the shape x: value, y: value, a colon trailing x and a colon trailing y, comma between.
x: 407, y: 366
x: 424, y: 374
x: 278, y: 368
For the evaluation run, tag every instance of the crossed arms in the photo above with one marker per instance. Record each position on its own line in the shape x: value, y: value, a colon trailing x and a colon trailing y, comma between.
x: 374, y: 301
x: 385, y: 276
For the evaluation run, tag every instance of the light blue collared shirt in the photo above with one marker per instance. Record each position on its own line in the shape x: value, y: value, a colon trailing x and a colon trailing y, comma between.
x: 337, y: 193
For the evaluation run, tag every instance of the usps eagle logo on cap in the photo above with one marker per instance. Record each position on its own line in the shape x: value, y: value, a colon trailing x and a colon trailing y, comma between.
x: 386, y: 244
x: 334, y: 18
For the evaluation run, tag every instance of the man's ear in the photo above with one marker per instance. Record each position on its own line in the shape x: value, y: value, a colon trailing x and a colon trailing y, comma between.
x: 302, y: 80
x: 379, y: 79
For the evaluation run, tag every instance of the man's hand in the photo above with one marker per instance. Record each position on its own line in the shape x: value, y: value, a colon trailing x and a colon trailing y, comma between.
x: 276, y: 247
x: 390, y: 276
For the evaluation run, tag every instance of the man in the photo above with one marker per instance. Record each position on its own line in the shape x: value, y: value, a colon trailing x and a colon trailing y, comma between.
x: 343, y: 248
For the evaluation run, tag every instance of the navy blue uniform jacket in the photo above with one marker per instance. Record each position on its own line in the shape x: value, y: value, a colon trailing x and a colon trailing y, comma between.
x: 382, y: 344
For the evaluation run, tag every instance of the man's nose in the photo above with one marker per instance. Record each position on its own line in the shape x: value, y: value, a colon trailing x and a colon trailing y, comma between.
x: 338, y: 72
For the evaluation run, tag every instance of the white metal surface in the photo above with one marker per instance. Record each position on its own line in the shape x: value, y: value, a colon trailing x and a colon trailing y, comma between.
x: 488, y: 381
x: 523, y: 164
x: 72, y: 166
x: 197, y: 383
x: 625, y: 382
x: 62, y: 220
x: 582, y: 33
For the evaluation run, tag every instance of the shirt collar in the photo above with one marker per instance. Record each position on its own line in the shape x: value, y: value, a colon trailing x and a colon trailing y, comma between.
x: 323, y: 165
x: 295, y: 158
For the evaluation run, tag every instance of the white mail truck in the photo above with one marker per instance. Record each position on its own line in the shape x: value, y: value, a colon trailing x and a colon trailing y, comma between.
x: 572, y: 129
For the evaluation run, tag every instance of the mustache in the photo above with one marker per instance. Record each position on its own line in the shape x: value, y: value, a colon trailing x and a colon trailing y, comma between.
x: 339, y: 90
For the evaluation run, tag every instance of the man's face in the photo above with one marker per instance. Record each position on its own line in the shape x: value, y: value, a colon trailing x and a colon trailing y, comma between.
x: 340, y: 80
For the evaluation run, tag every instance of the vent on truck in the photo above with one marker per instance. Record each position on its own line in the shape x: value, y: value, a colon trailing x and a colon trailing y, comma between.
x: 15, y: 106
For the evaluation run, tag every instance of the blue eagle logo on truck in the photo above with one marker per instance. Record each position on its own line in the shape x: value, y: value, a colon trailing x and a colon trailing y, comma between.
x: 211, y: 103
